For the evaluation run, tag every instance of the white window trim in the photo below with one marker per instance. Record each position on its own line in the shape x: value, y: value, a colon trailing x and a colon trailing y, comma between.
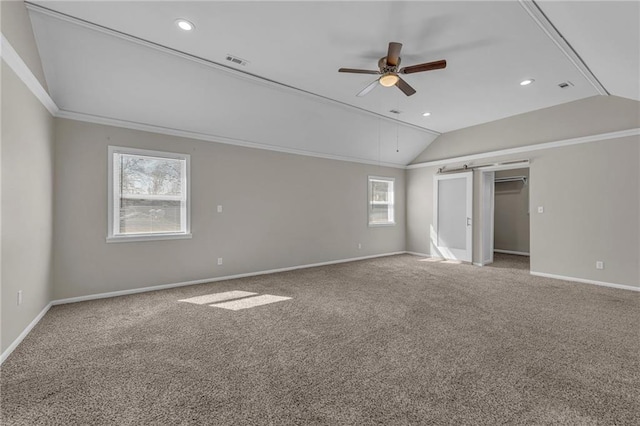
x: 392, y: 202
x: 111, y: 205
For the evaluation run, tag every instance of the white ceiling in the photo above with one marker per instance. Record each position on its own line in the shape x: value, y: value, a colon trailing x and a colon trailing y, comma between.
x: 489, y: 46
x: 606, y: 35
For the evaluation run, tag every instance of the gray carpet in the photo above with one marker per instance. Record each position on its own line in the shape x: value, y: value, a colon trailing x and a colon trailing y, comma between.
x: 391, y: 341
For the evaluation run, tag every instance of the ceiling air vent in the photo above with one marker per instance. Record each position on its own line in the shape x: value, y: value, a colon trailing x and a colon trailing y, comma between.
x: 236, y: 60
x: 394, y: 111
x: 565, y: 84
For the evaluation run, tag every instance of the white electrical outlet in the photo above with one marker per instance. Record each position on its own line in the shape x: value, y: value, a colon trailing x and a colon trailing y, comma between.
x: 359, y: 246
x: 540, y: 209
x: 19, y: 297
x: 219, y: 261
x: 599, y: 264
x: 220, y: 208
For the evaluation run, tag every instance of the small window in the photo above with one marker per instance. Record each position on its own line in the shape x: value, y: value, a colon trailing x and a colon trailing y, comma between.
x: 381, y: 201
x: 148, y: 195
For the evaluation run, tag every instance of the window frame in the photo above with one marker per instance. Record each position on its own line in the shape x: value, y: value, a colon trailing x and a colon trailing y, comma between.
x: 113, y: 209
x: 370, y: 203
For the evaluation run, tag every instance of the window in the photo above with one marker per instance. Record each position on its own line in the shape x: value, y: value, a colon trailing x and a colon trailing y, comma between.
x: 381, y: 201
x: 148, y: 195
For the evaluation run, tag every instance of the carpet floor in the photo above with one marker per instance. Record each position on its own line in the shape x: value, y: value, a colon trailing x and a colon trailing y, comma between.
x: 399, y: 340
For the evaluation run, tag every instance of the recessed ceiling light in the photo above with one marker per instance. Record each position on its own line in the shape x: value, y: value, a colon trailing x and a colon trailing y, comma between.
x: 185, y: 25
x: 526, y: 82
x: 426, y: 114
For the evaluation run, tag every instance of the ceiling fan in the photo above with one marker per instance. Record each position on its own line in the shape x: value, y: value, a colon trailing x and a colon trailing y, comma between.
x: 388, y: 71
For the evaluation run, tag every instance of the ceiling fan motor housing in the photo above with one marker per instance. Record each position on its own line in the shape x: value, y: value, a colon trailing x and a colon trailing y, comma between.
x: 389, y: 68
x: 385, y: 67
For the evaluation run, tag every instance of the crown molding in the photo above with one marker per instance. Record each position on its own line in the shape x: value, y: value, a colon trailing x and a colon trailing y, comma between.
x: 95, y: 119
x: 552, y: 32
x: 218, y: 67
x: 15, y: 62
x: 529, y: 148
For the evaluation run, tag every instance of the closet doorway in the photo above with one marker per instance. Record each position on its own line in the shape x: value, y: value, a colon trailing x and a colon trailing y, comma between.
x: 505, y: 216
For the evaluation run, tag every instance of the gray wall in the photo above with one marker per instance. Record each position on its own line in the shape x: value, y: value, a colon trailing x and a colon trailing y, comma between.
x: 279, y: 210
x: 511, y: 219
x: 16, y: 27
x: 590, y: 192
x: 585, y: 117
x: 27, y: 176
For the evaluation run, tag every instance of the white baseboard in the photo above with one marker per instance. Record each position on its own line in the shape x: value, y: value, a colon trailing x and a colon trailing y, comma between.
x: 585, y: 281
x: 35, y: 321
x: 415, y: 253
x: 210, y: 280
x: 519, y: 253
x: 24, y: 333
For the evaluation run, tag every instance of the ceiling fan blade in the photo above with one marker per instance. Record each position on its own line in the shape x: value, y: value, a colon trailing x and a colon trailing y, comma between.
x: 357, y: 71
x: 404, y: 86
x: 368, y: 88
x: 435, y: 65
x: 393, y: 54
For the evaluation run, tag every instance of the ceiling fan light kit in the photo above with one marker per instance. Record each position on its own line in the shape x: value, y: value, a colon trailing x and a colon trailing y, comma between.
x: 389, y: 79
x: 389, y: 70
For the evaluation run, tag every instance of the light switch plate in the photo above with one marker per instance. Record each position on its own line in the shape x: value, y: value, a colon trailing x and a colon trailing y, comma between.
x: 540, y: 209
x: 219, y: 208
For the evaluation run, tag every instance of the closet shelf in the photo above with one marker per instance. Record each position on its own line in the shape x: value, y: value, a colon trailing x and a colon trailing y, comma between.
x: 522, y: 179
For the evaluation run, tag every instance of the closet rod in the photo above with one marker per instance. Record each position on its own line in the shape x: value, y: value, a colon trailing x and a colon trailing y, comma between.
x: 523, y: 179
x: 467, y: 167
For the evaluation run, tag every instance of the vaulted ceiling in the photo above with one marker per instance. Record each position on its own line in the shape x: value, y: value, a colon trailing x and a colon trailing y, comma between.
x: 128, y: 61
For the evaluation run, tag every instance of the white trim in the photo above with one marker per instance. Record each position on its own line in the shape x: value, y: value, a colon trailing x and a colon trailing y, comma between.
x: 529, y: 148
x: 16, y: 63
x: 415, y: 253
x: 552, y: 32
x: 24, y: 333
x: 23, y: 72
x: 113, y: 209
x: 391, y: 203
x: 37, y: 319
x: 212, y: 138
x: 518, y: 253
x: 151, y: 237
x: 211, y: 280
x: 523, y: 164
x: 232, y: 71
x: 585, y: 281
x: 487, y: 215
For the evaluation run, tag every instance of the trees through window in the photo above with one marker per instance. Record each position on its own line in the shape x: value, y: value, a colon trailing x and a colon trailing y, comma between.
x: 149, y: 193
x: 381, y: 201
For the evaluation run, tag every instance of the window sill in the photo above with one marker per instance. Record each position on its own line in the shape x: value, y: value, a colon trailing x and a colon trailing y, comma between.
x: 141, y: 238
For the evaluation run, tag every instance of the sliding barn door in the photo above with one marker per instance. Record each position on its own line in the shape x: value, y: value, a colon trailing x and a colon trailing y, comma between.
x: 453, y: 206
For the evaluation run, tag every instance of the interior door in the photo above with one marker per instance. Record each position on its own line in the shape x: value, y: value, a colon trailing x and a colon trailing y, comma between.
x: 453, y: 206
